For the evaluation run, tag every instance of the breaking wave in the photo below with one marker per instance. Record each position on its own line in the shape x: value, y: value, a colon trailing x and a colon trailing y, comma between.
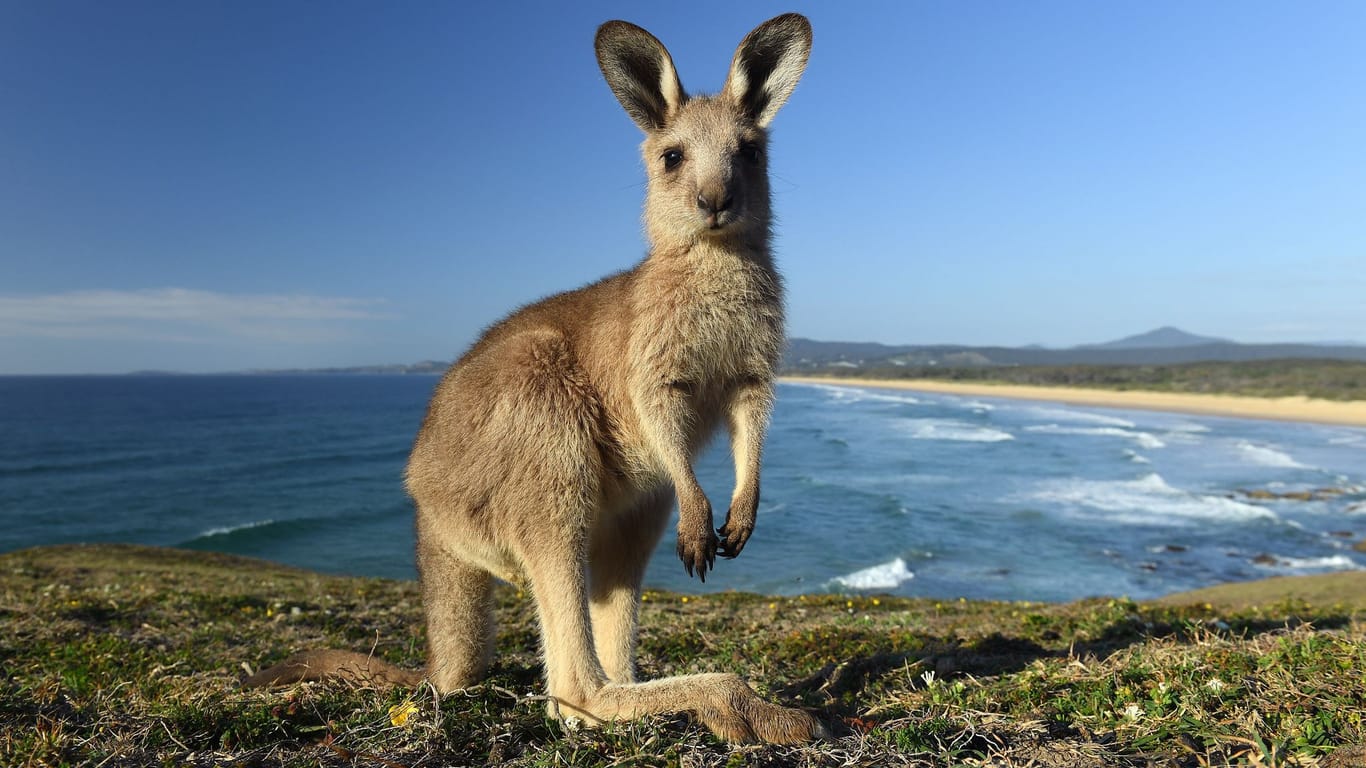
x: 1144, y: 439
x: 1148, y: 500
x: 1266, y: 456
x: 953, y: 430
x: 885, y: 576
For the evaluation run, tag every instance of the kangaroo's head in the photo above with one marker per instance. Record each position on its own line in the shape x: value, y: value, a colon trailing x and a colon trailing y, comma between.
x: 706, y: 156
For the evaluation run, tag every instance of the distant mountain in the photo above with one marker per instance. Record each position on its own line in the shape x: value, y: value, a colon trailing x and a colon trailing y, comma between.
x: 424, y: 367
x: 1165, y: 337
x: 1164, y: 346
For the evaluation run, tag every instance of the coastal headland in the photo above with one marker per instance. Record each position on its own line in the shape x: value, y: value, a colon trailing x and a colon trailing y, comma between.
x: 1303, y: 409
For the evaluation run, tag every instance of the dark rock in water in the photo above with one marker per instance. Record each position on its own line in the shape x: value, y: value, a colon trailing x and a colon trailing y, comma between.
x: 1317, y: 494
x: 1342, y: 534
x: 1175, y: 548
x: 1265, y: 559
x: 1148, y: 566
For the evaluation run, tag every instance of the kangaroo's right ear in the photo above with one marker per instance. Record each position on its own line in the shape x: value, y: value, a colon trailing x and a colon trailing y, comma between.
x: 640, y: 72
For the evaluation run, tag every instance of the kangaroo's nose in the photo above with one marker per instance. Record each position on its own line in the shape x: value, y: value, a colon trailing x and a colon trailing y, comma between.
x: 710, y: 203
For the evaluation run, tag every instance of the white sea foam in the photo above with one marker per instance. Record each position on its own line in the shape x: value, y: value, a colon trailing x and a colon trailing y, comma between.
x: 1144, y: 439
x: 888, y: 397
x: 884, y: 576
x: 1145, y: 501
x: 1351, y: 440
x: 1187, y: 428
x: 951, y: 430
x: 976, y: 406
x: 227, y: 529
x: 1137, y: 457
x: 1086, y: 417
x: 1266, y: 456
x: 853, y: 394
x: 1328, y: 563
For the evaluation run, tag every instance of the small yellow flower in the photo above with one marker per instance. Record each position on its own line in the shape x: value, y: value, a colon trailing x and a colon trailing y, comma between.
x: 773, y: 606
x: 848, y: 603
x: 877, y: 601
x: 685, y: 598
x: 399, y: 714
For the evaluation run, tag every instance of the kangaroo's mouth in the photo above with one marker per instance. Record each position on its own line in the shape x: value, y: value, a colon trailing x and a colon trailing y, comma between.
x: 719, y: 221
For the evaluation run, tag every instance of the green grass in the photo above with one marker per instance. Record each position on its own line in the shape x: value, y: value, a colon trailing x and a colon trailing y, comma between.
x: 124, y: 656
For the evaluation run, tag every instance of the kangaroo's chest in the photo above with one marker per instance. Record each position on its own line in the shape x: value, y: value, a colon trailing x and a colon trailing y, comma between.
x: 719, y: 325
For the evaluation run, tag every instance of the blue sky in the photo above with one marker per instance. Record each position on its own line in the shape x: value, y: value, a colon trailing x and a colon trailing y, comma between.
x: 220, y: 186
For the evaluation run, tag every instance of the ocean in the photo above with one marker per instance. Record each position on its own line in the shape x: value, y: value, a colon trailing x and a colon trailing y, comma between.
x: 864, y: 490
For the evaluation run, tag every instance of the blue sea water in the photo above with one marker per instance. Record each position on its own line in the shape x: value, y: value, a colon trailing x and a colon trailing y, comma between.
x: 864, y: 489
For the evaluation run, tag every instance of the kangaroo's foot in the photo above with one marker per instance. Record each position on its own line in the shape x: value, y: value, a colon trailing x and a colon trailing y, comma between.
x: 727, y: 706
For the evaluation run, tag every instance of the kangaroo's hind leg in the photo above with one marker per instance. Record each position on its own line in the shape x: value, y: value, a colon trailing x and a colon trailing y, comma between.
x: 458, y: 599
x: 619, y: 551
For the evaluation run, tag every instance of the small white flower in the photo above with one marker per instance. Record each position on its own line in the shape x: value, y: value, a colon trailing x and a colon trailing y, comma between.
x: 928, y: 677
x: 1133, y: 712
x: 1215, y: 684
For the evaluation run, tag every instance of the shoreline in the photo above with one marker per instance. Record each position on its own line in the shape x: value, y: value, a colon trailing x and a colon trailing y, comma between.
x: 1350, y: 413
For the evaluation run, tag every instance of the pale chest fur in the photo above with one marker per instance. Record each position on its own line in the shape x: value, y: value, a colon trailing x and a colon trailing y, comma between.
x: 713, y: 323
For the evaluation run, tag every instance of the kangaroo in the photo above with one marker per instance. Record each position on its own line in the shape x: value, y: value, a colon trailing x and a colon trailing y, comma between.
x: 552, y: 451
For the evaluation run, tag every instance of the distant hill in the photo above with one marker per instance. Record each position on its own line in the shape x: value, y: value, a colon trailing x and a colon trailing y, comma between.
x: 424, y: 367
x: 1163, y: 346
x: 1165, y: 337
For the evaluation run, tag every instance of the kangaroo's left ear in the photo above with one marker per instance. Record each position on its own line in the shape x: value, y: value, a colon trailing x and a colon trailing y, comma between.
x: 767, y: 66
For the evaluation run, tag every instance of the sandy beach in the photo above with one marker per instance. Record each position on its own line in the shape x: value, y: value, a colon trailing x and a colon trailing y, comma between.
x: 1348, y: 413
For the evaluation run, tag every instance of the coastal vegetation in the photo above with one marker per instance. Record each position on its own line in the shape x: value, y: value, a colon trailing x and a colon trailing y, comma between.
x: 120, y: 656
x: 1340, y: 380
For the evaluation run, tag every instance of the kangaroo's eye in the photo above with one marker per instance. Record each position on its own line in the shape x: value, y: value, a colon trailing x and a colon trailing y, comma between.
x: 672, y: 157
x: 751, y: 153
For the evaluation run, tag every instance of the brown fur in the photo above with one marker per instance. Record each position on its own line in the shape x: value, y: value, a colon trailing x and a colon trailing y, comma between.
x: 552, y: 451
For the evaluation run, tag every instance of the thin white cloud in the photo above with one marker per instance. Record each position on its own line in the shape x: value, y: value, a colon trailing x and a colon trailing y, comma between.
x: 181, y: 315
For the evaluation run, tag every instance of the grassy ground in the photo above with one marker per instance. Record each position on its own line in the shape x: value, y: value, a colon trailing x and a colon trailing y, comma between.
x: 122, y: 656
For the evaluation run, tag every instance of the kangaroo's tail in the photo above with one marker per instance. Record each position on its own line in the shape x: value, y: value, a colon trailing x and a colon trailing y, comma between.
x: 334, y: 665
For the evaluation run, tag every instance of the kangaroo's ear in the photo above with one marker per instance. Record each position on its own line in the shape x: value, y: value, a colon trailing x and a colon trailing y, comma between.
x: 767, y: 65
x: 640, y: 72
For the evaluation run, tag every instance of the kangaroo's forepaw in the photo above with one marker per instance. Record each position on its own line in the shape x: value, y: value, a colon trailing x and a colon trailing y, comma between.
x: 698, y: 552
